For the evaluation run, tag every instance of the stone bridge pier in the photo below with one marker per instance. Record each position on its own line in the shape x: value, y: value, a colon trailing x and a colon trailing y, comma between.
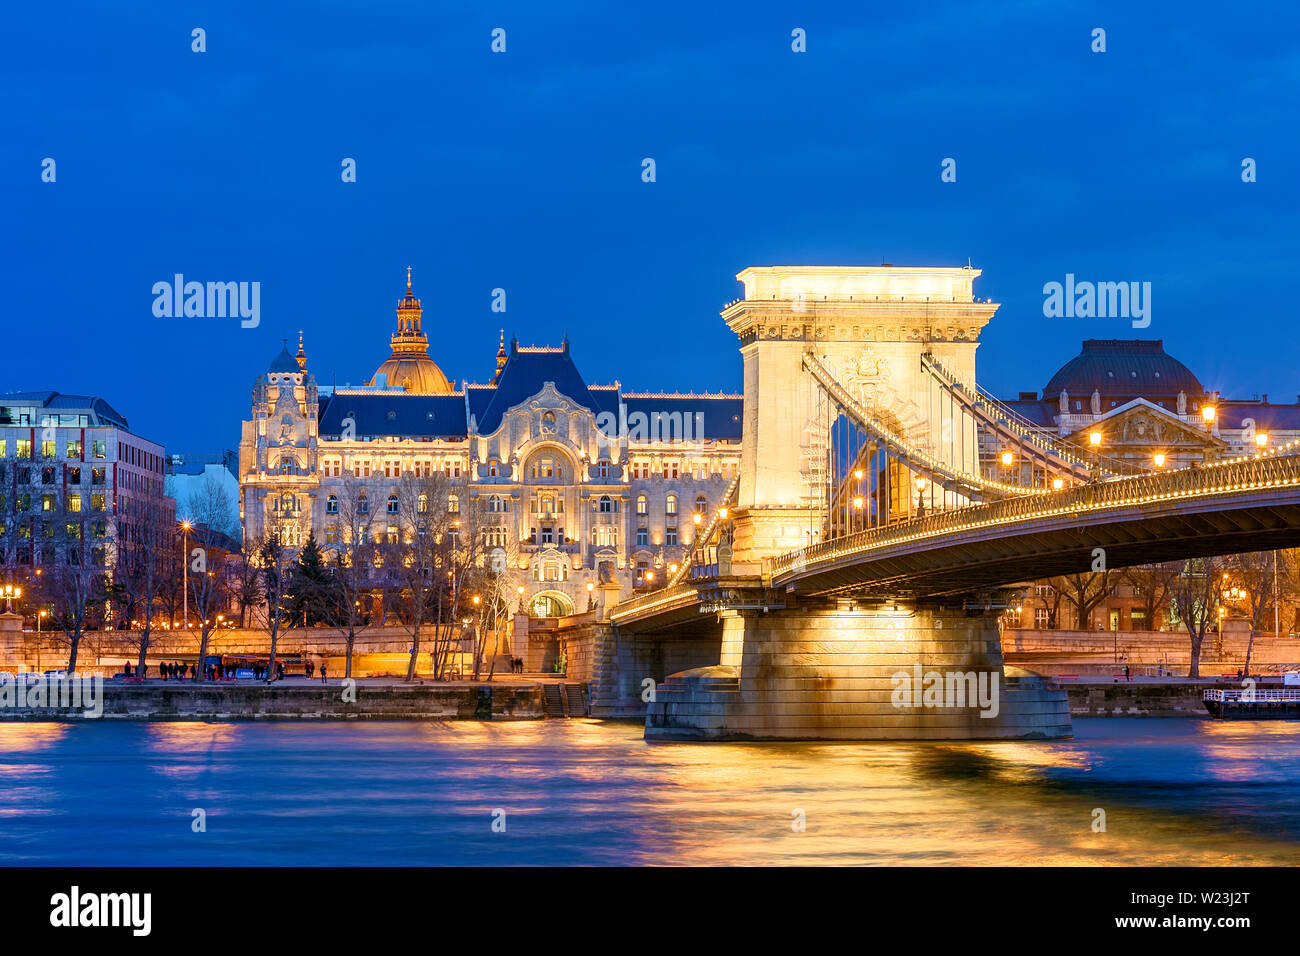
x: 821, y: 669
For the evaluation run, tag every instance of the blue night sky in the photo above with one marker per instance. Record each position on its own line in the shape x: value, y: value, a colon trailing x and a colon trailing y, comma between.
x: 523, y: 171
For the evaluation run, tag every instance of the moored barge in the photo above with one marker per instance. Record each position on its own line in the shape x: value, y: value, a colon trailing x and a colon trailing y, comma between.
x: 1253, y: 703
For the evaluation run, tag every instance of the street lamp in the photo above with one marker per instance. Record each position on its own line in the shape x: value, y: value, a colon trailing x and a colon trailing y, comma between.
x: 920, y: 491
x: 696, y: 519
x: 1094, y: 439
x: 1058, y: 484
x: 591, y: 599
x: 1207, y: 414
x: 185, y: 570
x: 1007, y: 459
x: 9, y: 592
x: 1159, y: 459
x: 1261, y: 439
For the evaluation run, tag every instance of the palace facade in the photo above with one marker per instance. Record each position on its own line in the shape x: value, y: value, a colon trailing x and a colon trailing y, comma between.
x: 571, y: 484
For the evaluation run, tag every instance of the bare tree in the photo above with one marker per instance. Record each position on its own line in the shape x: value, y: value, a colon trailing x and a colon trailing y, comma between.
x: 1196, y: 595
x: 245, y: 574
x: 497, y: 598
x: 75, y: 580
x: 353, y: 566
x: 1049, y: 596
x: 210, y: 540
x: 1151, y: 583
x: 277, y: 563
x: 145, y: 555
x: 1254, y: 574
x: 419, y: 531
x: 1083, y: 592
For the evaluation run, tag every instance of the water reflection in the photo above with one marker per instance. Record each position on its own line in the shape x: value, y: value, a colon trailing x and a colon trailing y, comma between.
x: 582, y: 791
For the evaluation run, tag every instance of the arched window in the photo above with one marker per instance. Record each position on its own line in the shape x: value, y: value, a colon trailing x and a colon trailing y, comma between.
x: 701, y: 504
x: 496, y: 504
x: 332, y: 505
x: 605, y: 505
x: 422, y: 504
x: 670, y: 505
x: 453, y: 504
x: 363, y: 504
x: 392, y: 504
x: 642, y: 506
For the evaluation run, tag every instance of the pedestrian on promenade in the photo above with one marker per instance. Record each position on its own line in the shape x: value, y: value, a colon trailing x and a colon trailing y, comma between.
x: 310, y: 668
x: 322, y: 672
x: 1127, y: 676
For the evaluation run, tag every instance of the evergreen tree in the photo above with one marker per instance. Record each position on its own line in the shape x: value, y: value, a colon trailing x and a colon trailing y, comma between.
x: 312, y: 586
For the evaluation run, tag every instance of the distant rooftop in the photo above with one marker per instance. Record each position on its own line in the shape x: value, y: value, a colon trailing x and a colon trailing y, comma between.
x: 35, y: 405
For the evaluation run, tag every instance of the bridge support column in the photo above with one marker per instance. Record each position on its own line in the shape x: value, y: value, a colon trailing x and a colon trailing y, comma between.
x: 825, y: 670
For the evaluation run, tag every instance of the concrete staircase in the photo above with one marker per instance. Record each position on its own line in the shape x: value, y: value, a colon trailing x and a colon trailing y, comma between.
x: 564, y: 700
x: 575, y: 700
x: 553, y: 701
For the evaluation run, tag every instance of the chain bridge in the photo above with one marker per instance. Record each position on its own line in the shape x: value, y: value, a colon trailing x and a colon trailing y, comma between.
x: 885, y: 510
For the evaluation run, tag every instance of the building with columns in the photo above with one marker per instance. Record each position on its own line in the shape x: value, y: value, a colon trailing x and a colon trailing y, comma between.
x: 569, y: 483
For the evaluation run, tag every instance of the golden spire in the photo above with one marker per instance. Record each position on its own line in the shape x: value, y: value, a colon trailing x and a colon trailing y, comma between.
x: 301, y: 356
x: 501, y: 356
x: 408, y: 317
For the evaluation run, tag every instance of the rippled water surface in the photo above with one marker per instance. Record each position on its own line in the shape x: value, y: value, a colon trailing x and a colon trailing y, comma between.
x: 585, y: 792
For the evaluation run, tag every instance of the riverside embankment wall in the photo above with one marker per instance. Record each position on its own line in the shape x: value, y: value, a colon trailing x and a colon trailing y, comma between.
x: 303, y: 701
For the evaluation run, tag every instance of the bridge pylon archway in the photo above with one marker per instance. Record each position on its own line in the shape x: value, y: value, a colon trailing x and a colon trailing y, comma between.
x: 871, y: 327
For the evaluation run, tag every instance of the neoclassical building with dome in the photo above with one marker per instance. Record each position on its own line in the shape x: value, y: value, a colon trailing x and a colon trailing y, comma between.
x: 1131, y: 401
x: 569, y: 499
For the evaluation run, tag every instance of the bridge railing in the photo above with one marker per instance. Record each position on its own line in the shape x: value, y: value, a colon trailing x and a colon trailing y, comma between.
x: 1239, y: 474
x: 701, y: 549
x: 653, y: 601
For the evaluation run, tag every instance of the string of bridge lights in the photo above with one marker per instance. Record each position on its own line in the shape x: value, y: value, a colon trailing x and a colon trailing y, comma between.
x: 859, y: 542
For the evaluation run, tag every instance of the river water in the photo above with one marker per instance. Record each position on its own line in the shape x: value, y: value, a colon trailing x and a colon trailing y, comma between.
x: 1176, y: 791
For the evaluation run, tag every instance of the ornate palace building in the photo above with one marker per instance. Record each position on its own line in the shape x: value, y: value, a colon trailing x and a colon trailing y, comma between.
x: 571, y: 484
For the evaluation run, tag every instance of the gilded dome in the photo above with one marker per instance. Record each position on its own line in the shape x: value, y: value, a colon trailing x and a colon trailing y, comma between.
x: 419, y: 375
x: 409, y: 365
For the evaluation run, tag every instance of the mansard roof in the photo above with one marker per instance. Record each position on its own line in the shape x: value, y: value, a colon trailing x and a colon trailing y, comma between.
x: 723, y: 414
x: 394, y: 414
x: 526, y: 372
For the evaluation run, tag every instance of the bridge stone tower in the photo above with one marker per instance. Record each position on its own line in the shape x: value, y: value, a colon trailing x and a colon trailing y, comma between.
x: 870, y: 326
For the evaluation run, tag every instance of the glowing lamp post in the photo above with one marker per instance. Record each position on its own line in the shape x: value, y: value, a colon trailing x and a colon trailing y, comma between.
x: 591, y: 600
x: 1261, y: 439
x: 920, y: 495
x: 9, y: 592
x: 1207, y: 414
x: 185, y: 570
